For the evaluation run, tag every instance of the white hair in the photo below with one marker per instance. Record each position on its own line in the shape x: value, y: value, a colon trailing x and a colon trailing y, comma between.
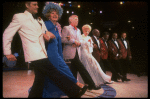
x: 71, y: 17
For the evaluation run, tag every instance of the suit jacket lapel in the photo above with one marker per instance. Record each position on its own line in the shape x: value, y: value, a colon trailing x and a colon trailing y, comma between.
x: 95, y: 41
x: 36, y: 24
x: 123, y: 43
x: 127, y: 44
x: 72, y: 32
x: 115, y: 44
x: 105, y: 43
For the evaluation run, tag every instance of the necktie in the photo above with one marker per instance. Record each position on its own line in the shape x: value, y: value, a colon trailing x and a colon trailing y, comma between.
x: 75, y: 27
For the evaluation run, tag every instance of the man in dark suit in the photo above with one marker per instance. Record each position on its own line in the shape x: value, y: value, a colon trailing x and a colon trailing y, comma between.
x: 104, y: 55
x: 96, y: 50
x: 126, y: 55
x: 114, y: 55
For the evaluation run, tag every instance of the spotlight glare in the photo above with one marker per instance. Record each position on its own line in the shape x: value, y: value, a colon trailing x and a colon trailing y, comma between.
x: 67, y: 11
x: 78, y: 6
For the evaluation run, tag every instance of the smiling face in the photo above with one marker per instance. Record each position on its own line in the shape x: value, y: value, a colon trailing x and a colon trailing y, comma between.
x: 86, y: 31
x: 54, y: 15
x: 73, y: 20
x: 32, y: 7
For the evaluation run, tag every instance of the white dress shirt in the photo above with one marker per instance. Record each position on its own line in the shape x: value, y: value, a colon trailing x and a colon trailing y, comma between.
x: 117, y: 45
x: 105, y: 42
x: 97, y: 42
x: 125, y: 43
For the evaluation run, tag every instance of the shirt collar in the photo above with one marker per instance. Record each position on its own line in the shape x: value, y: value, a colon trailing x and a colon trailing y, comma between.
x: 74, y: 27
x: 28, y: 13
x: 95, y: 37
x: 123, y: 39
x: 104, y: 39
x: 114, y: 39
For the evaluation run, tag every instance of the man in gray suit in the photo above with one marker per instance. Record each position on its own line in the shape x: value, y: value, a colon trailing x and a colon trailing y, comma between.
x: 71, y: 37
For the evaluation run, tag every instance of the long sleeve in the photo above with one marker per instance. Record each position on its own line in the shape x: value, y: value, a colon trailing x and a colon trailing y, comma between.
x: 66, y: 33
x: 80, y: 37
x: 129, y: 51
x: 9, y: 33
x: 111, y: 49
x: 91, y: 45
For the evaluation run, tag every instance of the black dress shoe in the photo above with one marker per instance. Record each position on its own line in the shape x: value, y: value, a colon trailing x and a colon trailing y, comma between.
x: 90, y: 88
x: 125, y: 80
x: 115, y: 80
x: 120, y: 76
x: 97, y: 87
x: 82, y: 91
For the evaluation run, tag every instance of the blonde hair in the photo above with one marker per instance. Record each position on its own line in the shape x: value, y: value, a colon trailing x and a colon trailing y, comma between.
x: 86, y: 26
x: 71, y: 17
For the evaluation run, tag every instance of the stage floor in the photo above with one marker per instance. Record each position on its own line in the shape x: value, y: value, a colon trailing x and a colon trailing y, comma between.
x: 17, y: 83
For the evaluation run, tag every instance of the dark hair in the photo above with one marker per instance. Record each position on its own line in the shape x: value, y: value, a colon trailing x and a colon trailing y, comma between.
x: 114, y: 33
x: 105, y: 33
x: 123, y: 32
x: 93, y: 32
x: 26, y: 2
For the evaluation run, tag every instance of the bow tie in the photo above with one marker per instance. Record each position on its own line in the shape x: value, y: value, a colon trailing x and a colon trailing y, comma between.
x: 105, y: 40
x: 115, y: 40
x: 97, y: 38
x: 124, y: 39
x: 34, y: 16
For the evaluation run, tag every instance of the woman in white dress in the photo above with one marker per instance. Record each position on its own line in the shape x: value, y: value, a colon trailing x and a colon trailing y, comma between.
x: 90, y: 63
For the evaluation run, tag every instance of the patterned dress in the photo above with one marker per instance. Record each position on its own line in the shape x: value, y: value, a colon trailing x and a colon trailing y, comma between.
x: 90, y: 63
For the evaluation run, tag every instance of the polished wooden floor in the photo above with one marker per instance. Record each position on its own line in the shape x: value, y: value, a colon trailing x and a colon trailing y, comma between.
x: 17, y: 83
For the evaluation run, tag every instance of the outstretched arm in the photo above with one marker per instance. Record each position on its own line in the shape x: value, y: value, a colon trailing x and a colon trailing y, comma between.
x: 8, y: 35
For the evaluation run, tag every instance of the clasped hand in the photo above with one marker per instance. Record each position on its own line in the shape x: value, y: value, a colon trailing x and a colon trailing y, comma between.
x: 48, y: 36
x: 76, y: 44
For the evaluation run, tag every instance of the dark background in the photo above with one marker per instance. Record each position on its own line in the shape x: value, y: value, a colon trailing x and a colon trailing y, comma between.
x: 114, y: 16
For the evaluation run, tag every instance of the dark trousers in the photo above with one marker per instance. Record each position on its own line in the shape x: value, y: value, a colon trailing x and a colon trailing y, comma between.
x: 102, y: 65
x: 44, y: 68
x: 117, y: 66
x: 77, y: 66
x: 108, y: 65
x: 126, y: 64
